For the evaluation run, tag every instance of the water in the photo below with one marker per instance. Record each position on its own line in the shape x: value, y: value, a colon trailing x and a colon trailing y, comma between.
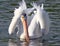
x: 6, y: 14
x: 14, y: 42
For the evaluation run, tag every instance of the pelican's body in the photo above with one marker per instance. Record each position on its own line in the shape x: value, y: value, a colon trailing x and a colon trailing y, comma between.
x: 38, y: 23
x: 33, y: 27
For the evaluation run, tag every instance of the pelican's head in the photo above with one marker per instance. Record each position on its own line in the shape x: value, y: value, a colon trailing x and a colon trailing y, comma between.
x: 23, y: 17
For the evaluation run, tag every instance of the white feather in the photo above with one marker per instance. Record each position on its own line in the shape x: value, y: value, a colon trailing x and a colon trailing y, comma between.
x: 42, y: 17
x: 42, y: 7
x: 17, y: 13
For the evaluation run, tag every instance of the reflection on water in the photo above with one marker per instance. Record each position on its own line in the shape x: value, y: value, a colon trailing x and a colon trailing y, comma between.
x: 32, y: 43
x: 17, y: 42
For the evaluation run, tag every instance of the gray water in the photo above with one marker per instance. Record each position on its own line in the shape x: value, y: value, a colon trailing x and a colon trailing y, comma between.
x: 6, y: 14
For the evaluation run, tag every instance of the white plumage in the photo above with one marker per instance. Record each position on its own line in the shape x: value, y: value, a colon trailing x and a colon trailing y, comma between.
x: 38, y: 23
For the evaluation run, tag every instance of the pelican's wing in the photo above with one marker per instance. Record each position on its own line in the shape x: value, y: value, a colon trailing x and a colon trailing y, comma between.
x: 17, y: 13
x: 42, y: 17
x: 43, y: 20
x: 23, y: 5
x: 24, y: 8
x: 34, y: 5
x: 42, y: 6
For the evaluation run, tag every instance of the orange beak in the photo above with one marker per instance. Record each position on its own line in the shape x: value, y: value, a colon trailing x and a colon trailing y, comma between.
x: 24, y: 22
x: 25, y: 27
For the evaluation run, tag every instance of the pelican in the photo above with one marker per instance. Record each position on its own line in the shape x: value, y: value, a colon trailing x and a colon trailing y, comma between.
x: 18, y: 18
x: 29, y: 27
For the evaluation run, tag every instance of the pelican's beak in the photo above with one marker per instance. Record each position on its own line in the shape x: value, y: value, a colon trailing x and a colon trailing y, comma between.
x: 24, y: 22
x: 25, y: 27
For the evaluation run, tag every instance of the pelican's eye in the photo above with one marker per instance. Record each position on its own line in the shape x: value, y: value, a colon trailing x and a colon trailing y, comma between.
x: 24, y: 16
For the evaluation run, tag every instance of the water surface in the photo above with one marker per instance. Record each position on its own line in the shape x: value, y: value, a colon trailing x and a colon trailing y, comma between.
x: 6, y: 13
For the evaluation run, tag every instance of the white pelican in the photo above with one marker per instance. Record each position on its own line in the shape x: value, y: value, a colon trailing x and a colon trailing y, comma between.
x: 33, y: 25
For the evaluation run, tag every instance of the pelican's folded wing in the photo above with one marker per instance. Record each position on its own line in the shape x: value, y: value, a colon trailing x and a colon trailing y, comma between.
x: 12, y: 25
x: 44, y: 21
x: 17, y: 13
